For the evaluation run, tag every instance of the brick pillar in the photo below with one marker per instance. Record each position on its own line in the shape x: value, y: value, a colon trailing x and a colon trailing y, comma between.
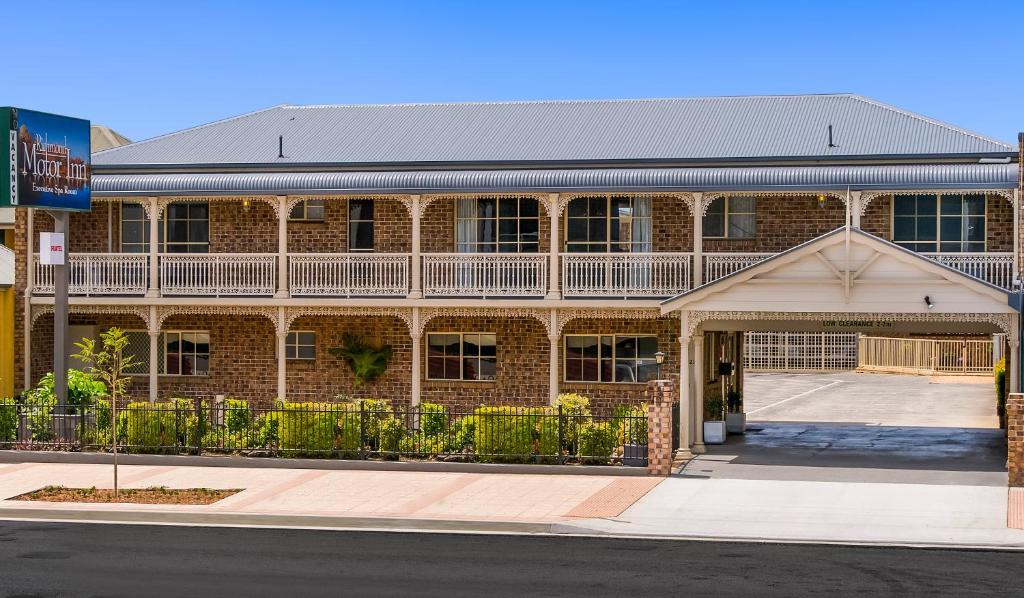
x: 661, y: 395
x: 1015, y: 438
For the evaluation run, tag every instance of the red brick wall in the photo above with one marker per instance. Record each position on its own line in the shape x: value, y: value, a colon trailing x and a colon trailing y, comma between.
x: 783, y: 222
x: 672, y: 226
x: 234, y: 229
x: 392, y: 229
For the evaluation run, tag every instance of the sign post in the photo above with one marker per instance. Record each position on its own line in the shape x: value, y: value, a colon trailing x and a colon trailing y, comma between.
x: 48, y: 167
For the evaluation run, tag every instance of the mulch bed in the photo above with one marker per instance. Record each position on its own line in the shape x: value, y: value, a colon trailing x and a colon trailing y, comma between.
x: 157, y: 495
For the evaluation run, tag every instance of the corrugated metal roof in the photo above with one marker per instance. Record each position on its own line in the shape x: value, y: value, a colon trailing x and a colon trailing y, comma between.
x: 559, y: 131
x: 763, y: 178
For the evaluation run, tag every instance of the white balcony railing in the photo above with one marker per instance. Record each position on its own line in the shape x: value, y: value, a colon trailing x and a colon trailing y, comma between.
x: 720, y: 265
x: 994, y: 268
x: 625, y: 274
x: 97, y: 274
x: 218, y: 274
x: 347, y: 275
x: 485, y: 274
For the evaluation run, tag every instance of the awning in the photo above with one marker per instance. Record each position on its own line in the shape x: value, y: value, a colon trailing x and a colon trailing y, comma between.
x: 637, y: 180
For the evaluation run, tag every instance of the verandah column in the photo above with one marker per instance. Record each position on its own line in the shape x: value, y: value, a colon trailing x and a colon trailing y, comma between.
x: 698, y: 239
x: 154, y: 247
x: 154, y: 354
x: 417, y: 338
x: 282, y: 362
x: 282, y: 246
x: 685, y: 378
x: 416, y: 274
x: 555, y: 248
x: 553, y: 342
x: 698, y: 393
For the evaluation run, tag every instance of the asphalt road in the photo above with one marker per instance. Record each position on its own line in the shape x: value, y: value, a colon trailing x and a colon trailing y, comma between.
x: 57, y: 559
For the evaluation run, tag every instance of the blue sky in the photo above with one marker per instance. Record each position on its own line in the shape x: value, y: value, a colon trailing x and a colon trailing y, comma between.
x: 146, y: 68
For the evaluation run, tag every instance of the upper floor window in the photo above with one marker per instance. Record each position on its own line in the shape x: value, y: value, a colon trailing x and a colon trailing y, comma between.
x: 185, y: 228
x: 309, y: 210
x: 497, y: 225
x: 610, y: 223
x: 939, y: 223
x: 731, y: 218
x: 360, y: 225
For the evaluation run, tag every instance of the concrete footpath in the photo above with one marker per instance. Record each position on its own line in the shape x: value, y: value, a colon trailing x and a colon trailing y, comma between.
x: 682, y: 506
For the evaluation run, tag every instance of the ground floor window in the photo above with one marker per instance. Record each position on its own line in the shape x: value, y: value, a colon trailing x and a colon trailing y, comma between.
x: 300, y: 344
x: 462, y: 356
x: 187, y: 353
x: 610, y: 358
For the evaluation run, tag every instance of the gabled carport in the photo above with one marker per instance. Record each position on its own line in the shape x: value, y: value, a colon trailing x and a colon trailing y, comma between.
x: 845, y: 280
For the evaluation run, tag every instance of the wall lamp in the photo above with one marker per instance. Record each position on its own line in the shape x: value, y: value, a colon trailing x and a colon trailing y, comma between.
x: 659, y: 358
x: 928, y: 302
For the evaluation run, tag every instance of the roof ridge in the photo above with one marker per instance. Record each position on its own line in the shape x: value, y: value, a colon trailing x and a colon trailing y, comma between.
x: 929, y: 120
x: 564, y: 101
x: 195, y: 128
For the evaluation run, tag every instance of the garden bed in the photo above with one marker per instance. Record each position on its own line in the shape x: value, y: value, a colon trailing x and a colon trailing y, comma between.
x: 157, y: 495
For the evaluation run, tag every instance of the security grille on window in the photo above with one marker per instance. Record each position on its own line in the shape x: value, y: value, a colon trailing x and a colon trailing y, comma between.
x: 731, y: 218
x: 187, y: 353
x: 360, y: 225
x: 497, y: 225
x: 462, y: 356
x: 300, y: 345
x: 309, y: 210
x: 138, y: 349
x: 609, y: 223
x: 948, y: 223
x: 610, y: 358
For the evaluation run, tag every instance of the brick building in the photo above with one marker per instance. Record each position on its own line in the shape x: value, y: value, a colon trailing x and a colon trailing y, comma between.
x: 507, y: 252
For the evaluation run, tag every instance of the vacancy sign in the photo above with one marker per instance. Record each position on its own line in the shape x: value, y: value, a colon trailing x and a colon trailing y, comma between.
x: 51, y: 249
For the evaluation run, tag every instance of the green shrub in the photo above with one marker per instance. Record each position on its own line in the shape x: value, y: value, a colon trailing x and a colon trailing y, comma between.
x: 433, y: 419
x: 266, y: 431
x: 575, y: 413
x: 392, y: 432
x: 574, y: 404
x: 461, y: 435
x: 83, y: 390
x: 310, y: 428
x: 514, y: 433
x: 597, y: 441
x: 38, y: 410
x: 8, y: 420
x: 236, y: 415
x: 102, y: 434
x: 376, y: 412
x: 151, y: 425
x: 999, y: 370
x: 629, y: 424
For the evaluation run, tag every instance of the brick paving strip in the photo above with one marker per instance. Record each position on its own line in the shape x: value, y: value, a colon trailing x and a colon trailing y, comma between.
x: 244, y: 499
x: 614, y: 498
x: 1015, y: 508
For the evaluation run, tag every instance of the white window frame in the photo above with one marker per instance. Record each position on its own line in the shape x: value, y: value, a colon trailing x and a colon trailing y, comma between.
x: 144, y: 245
x: 462, y: 356
x: 162, y: 227
x: 608, y: 243
x: 519, y: 242
x: 727, y: 214
x: 303, y: 208
x: 938, y: 221
x: 292, y: 344
x: 349, y: 221
x: 600, y: 358
x: 165, y: 337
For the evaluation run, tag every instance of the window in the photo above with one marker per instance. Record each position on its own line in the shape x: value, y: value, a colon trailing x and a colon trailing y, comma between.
x: 360, y: 225
x: 186, y: 353
x: 309, y: 210
x: 610, y: 223
x: 949, y: 222
x: 300, y: 345
x: 134, y: 229
x: 610, y: 358
x: 497, y: 224
x: 731, y: 218
x: 186, y: 228
x: 462, y: 356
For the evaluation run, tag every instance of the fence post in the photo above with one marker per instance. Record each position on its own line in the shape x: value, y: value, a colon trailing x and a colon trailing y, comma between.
x: 200, y: 426
x: 561, y: 436
x: 660, y: 396
x: 362, y: 429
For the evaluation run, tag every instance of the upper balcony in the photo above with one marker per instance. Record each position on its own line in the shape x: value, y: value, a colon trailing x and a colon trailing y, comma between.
x: 610, y: 247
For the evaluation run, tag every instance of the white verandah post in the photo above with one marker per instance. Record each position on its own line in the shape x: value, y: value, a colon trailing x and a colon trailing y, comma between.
x: 556, y: 247
x: 154, y: 248
x: 553, y: 342
x: 154, y: 354
x: 282, y: 246
x: 685, y: 394
x: 698, y: 239
x: 417, y: 338
x: 282, y: 362
x: 698, y: 393
x: 416, y: 291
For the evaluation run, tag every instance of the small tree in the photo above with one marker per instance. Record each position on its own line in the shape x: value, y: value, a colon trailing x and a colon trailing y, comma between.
x: 108, y: 365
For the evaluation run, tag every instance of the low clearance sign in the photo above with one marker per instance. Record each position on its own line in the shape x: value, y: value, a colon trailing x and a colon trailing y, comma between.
x: 47, y: 163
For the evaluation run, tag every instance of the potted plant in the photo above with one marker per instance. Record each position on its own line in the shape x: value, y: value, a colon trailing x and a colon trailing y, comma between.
x: 735, y: 418
x: 714, y: 420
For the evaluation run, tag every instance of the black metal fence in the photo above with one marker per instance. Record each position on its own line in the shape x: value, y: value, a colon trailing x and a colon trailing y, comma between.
x: 355, y: 430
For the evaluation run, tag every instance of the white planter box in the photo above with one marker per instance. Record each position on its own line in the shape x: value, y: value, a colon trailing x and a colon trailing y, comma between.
x: 714, y: 432
x: 736, y: 423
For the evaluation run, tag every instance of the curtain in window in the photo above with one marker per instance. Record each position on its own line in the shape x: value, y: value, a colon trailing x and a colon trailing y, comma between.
x: 641, y: 226
x: 466, y: 225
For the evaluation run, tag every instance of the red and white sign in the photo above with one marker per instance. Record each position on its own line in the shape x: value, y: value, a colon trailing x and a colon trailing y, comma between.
x: 51, y: 249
